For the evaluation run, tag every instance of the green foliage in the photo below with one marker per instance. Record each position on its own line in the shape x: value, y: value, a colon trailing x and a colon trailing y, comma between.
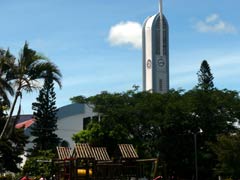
x: 40, y: 165
x: 91, y: 135
x: 214, y: 112
x: 16, y: 76
x: 45, y: 111
x: 227, y: 149
x: 205, y: 77
x: 11, y: 148
x: 22, y: 75
x: 6, y: 64
x: 78, y: 99
x: 7, y: 177
x: 162, y: 125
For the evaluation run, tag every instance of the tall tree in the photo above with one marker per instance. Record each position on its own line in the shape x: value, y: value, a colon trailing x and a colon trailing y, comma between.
x: 205, y: 77
x: 46, y: 120
x: 27, y: 71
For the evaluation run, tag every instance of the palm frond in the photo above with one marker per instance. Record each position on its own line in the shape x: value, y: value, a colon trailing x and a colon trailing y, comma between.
x: 42, y: 70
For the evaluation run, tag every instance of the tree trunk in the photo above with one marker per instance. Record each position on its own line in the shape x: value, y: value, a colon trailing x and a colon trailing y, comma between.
x: 11, y: 113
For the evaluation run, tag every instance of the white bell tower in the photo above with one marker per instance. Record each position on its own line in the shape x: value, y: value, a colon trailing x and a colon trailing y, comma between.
x: 156, y: 53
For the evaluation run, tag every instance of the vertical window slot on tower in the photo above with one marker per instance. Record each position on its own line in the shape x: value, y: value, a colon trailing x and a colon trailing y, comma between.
x: 160, y: 85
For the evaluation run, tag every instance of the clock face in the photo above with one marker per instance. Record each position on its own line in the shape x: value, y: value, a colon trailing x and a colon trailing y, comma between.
x: 149, y: 63
x: 161, y: 63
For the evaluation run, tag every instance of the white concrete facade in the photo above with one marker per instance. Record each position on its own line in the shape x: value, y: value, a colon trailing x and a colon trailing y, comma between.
x: 71, y: 120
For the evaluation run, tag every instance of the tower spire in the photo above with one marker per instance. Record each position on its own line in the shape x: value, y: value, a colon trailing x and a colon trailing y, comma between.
x: 161, y: 27
x: 160, y: 8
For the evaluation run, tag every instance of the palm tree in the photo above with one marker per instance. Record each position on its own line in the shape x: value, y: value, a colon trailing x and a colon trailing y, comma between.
x: 6, y: 64
x: 28, y: 72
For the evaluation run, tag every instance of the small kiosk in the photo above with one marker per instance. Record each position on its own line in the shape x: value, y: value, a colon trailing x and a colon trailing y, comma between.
x: 86, y: 162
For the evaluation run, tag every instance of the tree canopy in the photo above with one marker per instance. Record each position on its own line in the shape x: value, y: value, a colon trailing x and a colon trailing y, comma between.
x: 40, y: 164
x: 205, y: 77
x: 162, y: 125
x: 227, y: 149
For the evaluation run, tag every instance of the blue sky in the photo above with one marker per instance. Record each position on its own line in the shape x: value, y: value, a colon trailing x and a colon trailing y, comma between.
x: 97, y: 43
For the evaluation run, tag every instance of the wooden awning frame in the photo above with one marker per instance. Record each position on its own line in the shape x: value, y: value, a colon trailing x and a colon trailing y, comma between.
x: 83, y: 151
x: 64, y: 153
x: 127, y: 151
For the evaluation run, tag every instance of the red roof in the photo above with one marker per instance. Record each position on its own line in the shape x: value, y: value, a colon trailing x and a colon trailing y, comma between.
x: 25, y: 124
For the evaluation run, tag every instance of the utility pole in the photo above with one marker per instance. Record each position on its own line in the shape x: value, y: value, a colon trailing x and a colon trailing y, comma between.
x: 196, y: 159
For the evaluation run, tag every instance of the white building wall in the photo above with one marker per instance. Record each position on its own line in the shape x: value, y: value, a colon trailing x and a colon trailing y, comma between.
x: 69, y: 125
x: 148, y: 54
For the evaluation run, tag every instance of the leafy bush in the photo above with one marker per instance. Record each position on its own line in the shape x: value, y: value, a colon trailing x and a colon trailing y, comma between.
x: 41, y: 164
x: 7, y: 177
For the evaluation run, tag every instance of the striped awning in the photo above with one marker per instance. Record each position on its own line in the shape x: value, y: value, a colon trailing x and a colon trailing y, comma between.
x: 64, y: 153
x: 128, y: 151
x: 85, y: 151
x: 100, y: 154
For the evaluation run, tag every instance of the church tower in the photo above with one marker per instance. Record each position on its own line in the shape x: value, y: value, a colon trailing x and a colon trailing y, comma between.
x: 155, y: 44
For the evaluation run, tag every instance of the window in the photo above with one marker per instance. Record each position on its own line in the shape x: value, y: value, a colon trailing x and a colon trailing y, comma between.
x: 160, y: 85
x: 87, y: 120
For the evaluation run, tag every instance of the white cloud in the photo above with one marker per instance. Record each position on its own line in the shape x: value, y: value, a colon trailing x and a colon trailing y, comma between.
x: 213, y: 23
x: 126, y: 33
x: 212, y: 18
